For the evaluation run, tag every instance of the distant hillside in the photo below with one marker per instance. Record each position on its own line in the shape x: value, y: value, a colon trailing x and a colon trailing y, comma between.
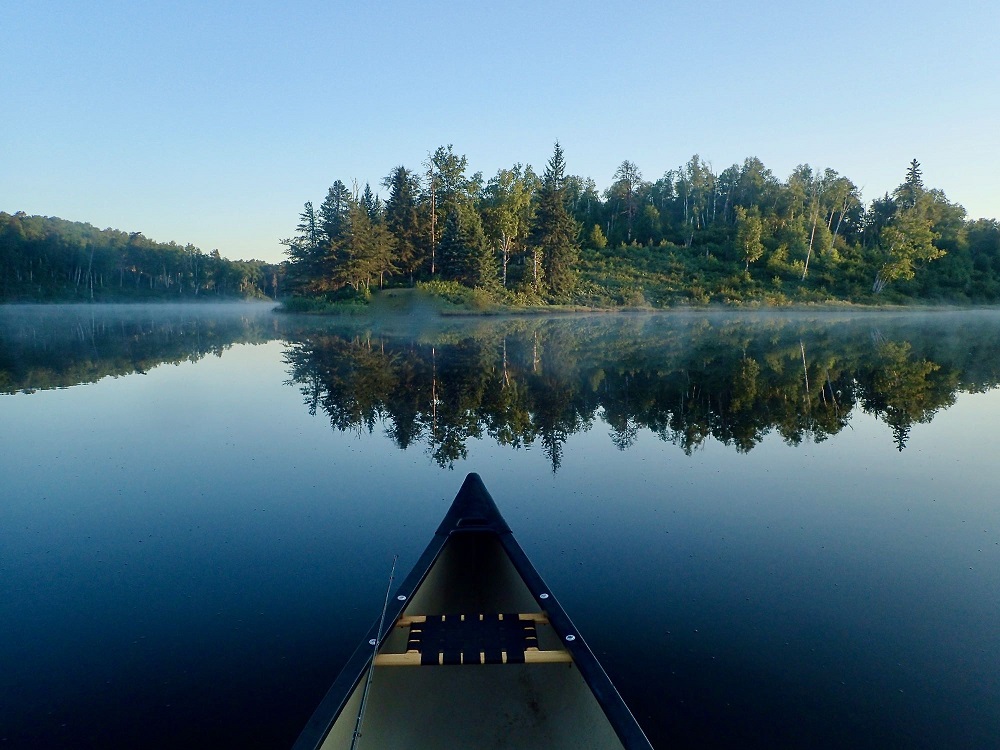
x: 50, y: 259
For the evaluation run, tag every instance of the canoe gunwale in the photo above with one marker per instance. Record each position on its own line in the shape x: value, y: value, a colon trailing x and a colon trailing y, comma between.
x: 474, y: 513
x: 340, y: 691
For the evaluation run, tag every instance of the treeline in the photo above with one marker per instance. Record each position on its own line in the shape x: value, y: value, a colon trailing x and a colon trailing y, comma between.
x: 514, y: 232
x: 50, y: 259
x: 690, y: 236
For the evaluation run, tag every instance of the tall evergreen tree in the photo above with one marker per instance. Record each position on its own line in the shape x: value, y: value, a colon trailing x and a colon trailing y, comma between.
x: 448, y: 189
x: 451, y: 251
x: 912, y: 188
x: 333, y: 213
x: 306, y: 252
x: 402, y: 219
x: 363, y: 252
x: 372, y: 203
x: 555, y: 233
x: 465, y: 255
x: 482, y: 263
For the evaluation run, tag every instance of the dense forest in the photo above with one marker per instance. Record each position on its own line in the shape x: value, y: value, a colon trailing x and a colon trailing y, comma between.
x: 51, y: 259
x: 692, y: 236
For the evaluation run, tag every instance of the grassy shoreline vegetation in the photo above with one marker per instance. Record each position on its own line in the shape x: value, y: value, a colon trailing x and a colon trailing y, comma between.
x: 523, y: 242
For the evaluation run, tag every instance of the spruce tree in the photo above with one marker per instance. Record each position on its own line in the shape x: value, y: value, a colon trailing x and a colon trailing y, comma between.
x: 333, y: 213
x: 402, y: 220
x: 372, y: 203
x: 363, y: 253
x: 451, y: 251
x: 481, y: 265
x: 465, y: 255
x: 306, y: 253
x: 913, y: 186
x: 555, y: 232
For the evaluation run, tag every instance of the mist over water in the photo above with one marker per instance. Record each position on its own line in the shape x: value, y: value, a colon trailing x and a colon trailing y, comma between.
x: 792, y: 519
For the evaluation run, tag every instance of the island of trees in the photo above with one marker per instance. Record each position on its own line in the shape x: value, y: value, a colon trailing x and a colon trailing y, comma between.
x: 692, y: 236
x: 54, y: 260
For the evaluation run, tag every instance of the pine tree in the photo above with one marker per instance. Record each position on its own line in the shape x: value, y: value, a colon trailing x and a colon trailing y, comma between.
x: 333, y: 213
x: 451, y: 251
x: 597, y: 239
x: 482, y: 270
x: 372, y: 203
x: 402, y: 220
x: 554, y: 237
x: 448, y: 189
x: 305, y: 250
x: 465, y: 256
x: 364, y: 251
x: 913, y: 186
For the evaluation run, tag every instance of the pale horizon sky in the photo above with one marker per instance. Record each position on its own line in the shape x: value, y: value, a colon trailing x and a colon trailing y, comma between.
x: 214, y: 122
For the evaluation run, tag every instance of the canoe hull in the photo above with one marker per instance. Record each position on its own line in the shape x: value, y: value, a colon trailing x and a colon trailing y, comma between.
x: 475, y: 567
x: 487, y: 706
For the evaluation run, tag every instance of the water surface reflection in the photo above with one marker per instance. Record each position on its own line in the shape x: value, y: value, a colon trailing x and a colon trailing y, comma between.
x: 685, y: 378
x: 58, y: 346
x: 192, y: 544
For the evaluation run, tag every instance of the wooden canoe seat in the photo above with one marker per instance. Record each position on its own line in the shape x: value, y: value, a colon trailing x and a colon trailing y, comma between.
x: 472, y: 639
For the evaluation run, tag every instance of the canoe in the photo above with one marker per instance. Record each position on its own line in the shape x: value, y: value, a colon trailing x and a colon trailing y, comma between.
x: 473, y: 651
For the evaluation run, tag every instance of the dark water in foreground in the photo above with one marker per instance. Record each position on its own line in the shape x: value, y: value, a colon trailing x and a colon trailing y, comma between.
x: 774, y: 531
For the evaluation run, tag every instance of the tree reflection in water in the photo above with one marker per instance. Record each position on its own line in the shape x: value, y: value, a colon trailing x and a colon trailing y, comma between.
x: 686, y: 378
x: 535, y: 381
x: 59, y: 346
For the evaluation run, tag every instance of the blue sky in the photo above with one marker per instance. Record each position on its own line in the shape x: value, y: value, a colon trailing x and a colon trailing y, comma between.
x: 213, y: 122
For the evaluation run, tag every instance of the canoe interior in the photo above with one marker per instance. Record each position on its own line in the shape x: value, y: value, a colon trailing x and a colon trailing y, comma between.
x: 474, y: 706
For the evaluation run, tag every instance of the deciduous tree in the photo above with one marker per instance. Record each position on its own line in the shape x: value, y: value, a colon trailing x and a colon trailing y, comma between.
x: 905, y: 241
x: 748, y: 233
x: 507, y: 212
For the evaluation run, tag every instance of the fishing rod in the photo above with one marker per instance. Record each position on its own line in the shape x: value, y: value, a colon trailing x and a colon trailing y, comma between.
x: 371, y: 665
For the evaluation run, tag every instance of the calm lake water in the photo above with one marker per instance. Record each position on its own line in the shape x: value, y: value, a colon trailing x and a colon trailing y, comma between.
x: 774, y: 530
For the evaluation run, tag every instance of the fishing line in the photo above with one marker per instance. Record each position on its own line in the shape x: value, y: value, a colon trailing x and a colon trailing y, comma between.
x: 371, y: 665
